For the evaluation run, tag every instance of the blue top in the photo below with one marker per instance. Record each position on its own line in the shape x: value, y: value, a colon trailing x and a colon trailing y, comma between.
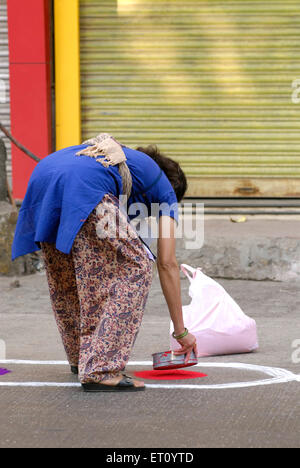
x: 64, y: 189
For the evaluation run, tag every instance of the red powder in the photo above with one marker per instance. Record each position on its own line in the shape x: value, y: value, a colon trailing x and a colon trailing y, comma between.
x: 169, y: 375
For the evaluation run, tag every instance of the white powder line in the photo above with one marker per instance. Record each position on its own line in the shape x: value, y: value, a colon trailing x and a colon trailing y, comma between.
x: 154, y: 386
x: 34, y: 363
x: 39, y: 384
x: 278, y: 376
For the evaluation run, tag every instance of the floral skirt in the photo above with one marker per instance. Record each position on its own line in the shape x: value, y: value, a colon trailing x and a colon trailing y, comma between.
x: 99, y: 292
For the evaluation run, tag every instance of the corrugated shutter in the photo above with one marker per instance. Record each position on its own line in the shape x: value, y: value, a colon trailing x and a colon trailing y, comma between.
x: 209, y: 81
x: 4, y: 77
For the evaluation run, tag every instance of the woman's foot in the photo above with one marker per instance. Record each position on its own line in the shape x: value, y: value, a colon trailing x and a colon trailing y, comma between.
x: 116, y: 380
x: 74, y: 370
x: 121, y: 383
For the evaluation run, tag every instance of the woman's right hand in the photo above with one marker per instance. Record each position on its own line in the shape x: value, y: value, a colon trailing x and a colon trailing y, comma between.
x: 188, y: 344
x: 169, y: 274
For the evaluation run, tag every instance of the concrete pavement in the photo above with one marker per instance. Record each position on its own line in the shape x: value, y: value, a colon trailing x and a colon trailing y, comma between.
x: 254, y: 416
x: 262, y: 248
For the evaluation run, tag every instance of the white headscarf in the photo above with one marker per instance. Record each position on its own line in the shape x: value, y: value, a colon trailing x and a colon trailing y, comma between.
x: 105, y: 145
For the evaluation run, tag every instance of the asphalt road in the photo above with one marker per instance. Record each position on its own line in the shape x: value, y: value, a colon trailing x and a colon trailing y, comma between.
x: 251, y: 410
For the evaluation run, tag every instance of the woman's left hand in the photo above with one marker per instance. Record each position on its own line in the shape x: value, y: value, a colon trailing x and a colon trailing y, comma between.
x: 188, y: 344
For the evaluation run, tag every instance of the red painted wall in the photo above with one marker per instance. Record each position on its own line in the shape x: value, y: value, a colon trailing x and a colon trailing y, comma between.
x: 30, y: 85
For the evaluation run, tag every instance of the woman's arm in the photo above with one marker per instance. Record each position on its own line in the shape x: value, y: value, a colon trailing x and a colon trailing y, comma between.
x: 170, y: 281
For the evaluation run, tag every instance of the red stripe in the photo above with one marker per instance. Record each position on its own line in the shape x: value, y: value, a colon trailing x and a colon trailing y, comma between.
x: 30, y: 85
x: 169, y: 375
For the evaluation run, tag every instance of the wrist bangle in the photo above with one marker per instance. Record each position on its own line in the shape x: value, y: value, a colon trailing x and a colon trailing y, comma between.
x: 183, y: 335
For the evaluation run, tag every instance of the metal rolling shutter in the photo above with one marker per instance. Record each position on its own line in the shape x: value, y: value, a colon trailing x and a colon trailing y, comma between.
x: 209, y: 81
x: 4, y: 77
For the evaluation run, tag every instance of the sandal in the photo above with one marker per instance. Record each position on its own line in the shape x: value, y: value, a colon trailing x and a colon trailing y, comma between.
x: 74, y: 370
x: 125, y: 385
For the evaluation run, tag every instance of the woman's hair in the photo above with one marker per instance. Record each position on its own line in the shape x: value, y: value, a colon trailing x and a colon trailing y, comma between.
x: 171, y: 168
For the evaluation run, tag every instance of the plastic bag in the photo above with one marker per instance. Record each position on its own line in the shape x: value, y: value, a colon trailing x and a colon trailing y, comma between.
x: 215, y: 319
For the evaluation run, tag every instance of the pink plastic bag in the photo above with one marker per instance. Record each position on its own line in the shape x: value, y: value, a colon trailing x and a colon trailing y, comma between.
x: 218, y: 323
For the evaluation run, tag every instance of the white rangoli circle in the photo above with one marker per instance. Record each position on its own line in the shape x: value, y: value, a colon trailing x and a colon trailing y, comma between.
x: 275, y: 376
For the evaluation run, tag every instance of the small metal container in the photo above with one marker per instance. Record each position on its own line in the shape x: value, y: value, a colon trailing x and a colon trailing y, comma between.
x: 168, y: 360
